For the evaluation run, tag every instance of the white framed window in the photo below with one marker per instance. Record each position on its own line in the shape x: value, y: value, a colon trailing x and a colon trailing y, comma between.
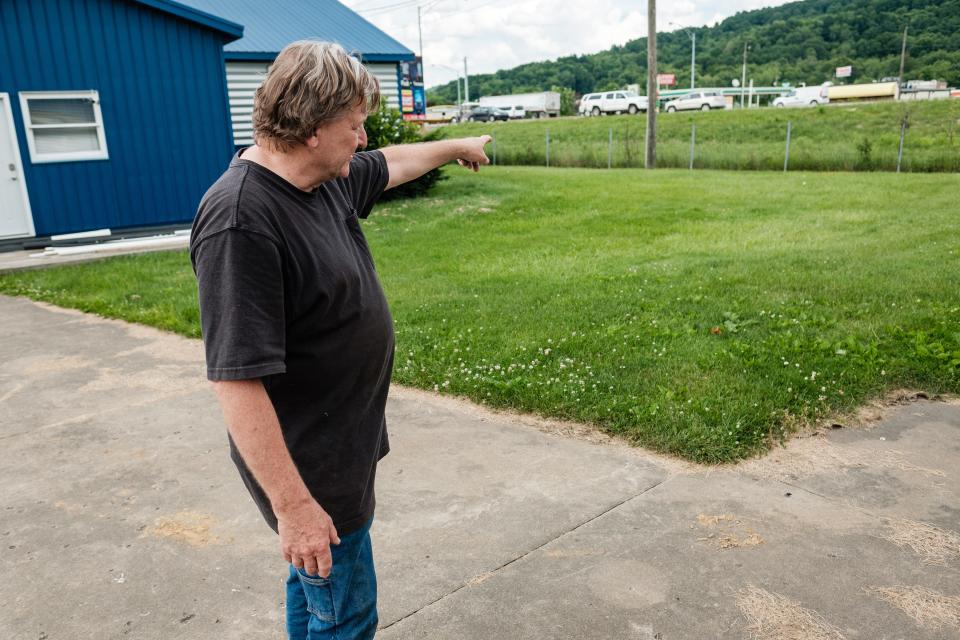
x: 63, y: 126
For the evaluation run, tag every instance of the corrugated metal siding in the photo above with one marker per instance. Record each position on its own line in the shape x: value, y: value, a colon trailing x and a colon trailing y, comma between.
x: 243, y: 78
x: 163, y: 98
x: 270, y: 26
x: 386, y: 73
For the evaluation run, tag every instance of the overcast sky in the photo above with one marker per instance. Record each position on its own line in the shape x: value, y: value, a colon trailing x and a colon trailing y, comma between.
x: 501, y: 34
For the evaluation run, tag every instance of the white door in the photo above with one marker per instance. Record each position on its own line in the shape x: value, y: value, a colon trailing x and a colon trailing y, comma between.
x: 15, y: 217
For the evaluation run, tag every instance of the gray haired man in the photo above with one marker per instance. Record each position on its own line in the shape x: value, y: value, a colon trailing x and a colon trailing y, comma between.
x: 298, y: 337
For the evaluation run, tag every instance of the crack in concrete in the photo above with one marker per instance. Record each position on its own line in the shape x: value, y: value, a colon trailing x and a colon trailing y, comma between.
x: 489, y: 574
x: 811, y: 492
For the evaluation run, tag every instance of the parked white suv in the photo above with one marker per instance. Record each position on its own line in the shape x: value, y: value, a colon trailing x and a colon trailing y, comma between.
x: 804, y: 97
x: 697, y: 100
x: 595, y: 104
x: 516, y: 112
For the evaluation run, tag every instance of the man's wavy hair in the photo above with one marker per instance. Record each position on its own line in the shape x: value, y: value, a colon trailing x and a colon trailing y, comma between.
x: 310, y: 83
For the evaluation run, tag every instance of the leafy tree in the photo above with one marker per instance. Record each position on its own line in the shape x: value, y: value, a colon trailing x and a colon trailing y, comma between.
x: 799, y: 42
x: 386, y: 127
x: 567, y: 100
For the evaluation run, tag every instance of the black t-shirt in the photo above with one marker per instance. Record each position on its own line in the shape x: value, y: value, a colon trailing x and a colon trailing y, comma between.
x: 289, y: 294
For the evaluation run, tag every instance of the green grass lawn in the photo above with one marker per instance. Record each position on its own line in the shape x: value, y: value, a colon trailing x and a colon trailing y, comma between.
x: 830, y: 138
x: 703, y: 314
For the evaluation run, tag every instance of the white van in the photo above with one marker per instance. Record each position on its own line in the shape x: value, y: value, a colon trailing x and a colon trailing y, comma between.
x: 804, y: 97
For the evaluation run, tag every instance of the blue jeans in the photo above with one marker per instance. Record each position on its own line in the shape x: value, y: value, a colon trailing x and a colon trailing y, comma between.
x: 342, y: 606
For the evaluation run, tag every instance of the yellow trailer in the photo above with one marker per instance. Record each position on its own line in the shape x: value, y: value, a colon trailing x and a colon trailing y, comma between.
x: 872, y: 91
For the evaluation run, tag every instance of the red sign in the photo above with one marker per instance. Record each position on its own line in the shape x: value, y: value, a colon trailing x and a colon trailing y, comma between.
x: 666, y: 79
x: 844, y: 72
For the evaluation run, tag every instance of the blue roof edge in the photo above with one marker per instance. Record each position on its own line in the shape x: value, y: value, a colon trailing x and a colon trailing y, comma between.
x: 270, y: 55
x: 232, y: 29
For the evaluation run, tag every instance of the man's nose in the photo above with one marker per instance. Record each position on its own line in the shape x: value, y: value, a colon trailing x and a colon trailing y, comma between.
x: 362, y: 142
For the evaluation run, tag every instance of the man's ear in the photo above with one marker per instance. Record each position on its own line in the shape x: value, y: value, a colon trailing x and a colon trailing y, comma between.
x: 314, y: 140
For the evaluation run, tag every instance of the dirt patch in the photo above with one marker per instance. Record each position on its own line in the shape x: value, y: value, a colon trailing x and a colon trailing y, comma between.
x: 479, y: 579
x: 937, y: 546
x: 571, y: 553
x: 187, y: 527
x: 868, y: 415
x: 727, y: 532
x: 809, y: 451
x: 166, y: 379
x: 17, y: 388
x: 927, y: 607
x: 41, y: 367
x: 814, y: 454
x: 772, y: 616
x: 164, y: 346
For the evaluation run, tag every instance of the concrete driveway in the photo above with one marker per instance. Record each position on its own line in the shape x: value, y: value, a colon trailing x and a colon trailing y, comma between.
x: 122, y: 516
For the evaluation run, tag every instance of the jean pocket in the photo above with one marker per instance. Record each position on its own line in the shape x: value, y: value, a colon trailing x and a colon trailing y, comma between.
x: 319, y: 594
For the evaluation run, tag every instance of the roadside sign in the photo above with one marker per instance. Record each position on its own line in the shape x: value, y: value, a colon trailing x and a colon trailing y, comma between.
x: 666, y: 79
x: 844, y: 72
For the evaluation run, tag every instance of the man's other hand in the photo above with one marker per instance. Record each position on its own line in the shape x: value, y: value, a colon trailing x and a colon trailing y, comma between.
x: 306, y: 534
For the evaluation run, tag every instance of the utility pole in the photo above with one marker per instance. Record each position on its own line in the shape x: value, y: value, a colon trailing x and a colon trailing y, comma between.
x: 420, y: 32
x: 693, y: 59
x: 466, y: 81
x: 903, y: 58
x: 743, y: 77
x: 652, y: 88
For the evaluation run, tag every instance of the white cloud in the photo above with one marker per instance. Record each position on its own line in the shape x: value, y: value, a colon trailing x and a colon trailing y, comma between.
x: 501, y: 34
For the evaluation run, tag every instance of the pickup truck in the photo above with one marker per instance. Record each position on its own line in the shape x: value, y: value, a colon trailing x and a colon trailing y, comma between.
x: 697, y: 101
x: 595, y: 104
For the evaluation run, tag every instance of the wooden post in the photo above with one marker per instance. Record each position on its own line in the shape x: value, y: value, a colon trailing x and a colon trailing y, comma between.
x: 610, y: 149
x: 786, y: 157
x: 693, y: 141
x: 652, y: 87
x: 903, y: 133
x: 548, y: 147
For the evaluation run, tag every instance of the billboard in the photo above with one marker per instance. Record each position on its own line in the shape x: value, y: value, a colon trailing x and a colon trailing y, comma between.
x: 413, y: 97
x: 666, y: 79
x: 844, y: 72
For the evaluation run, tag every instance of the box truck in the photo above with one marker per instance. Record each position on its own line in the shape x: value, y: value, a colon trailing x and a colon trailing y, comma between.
x: 545, y: 104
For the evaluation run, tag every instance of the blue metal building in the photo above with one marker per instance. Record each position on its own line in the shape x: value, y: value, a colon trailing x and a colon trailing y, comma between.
x: 271, y: 25
x: 113, y: 113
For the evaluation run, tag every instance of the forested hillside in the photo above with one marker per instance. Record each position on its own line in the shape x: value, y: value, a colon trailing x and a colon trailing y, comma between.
x: 800, y: 42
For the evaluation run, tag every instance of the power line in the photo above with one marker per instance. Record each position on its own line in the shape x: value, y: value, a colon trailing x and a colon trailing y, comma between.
x: 390, y: 7
x: 468, y: 10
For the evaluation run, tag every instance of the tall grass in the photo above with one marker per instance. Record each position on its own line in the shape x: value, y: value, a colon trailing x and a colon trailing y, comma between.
x: 855, y: 137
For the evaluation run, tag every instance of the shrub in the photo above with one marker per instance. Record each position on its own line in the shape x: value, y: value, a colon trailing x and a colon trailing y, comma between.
x: 386, y: 127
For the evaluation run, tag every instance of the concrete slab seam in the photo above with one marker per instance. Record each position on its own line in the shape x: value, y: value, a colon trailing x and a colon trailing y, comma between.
x: 83, y: 417
x: 531, y: 551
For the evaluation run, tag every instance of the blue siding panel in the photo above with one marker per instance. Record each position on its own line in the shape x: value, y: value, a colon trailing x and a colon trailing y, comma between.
x: 163, y: 99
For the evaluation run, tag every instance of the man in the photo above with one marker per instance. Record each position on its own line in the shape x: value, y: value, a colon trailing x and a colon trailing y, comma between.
x: 298, y: 337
